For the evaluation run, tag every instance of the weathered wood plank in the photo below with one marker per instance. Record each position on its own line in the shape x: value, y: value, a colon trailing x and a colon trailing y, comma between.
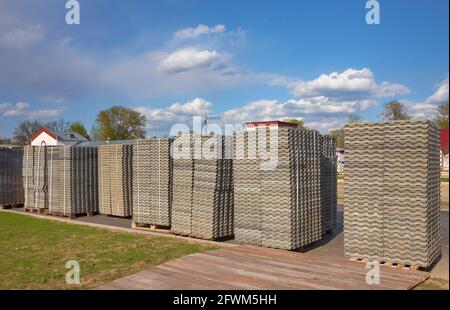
x: 247, y: 267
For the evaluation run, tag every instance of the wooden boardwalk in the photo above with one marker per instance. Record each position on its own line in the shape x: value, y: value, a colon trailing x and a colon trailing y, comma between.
x: 254, y: 268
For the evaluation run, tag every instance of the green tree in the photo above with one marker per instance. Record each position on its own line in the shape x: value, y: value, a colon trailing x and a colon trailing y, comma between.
x: 24, y: 131
x: 340, y: 137
x: 79, y: 128
x: 300, y: 123
x: 394, y: 110
x: 339, y: 134
x: 442, y: 116
x: 119, y: 123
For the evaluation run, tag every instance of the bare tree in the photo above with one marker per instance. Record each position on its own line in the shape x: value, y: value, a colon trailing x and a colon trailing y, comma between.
x: 394, y: 110
x: 57, y: 125
x: 24, y: 131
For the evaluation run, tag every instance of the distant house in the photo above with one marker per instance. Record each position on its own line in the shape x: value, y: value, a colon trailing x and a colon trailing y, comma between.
x: 271, y: 124
x: 46, y: 137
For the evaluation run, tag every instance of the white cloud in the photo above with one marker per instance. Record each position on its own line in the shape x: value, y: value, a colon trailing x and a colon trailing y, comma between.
x: 322, y: 104
x: 53, y: 99
x: 24, y: 109
x: 334, y: 95
x: 349, y: 84
x: 192, y: 33
x: 189, y: 59
x: 19, y: 108
x: 44, y: 114
x: 441, y: 94
x: 429, y: 108
x: 175, y: 113
x: 20, y: 35
x: 257, y: 110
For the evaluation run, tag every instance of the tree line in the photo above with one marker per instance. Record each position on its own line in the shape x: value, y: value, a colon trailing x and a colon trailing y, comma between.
x: 394, y: 110
x: 120, y: 123
x: 116, y: 123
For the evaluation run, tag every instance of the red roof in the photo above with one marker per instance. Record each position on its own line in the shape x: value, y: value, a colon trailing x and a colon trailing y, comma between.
x: 47, y: 131
x: 271, y: 123
x: 444, y: 140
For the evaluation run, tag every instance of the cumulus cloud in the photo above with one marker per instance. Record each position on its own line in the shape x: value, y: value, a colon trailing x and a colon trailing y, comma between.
x: 162, y: 118
x: 16, y: 32
x: 21, y: 36
x: 323, y: 103
x: 441, y: 94
x: 256, y: 110
x: 53, y: 99
x: 192, y: 33
x: 190, y: 59
x: 428, y: 109
x: 341, y: 94
x: 17, y: 109
x: 44, y: 114
x: 350, y: 84
x: 24, y: 109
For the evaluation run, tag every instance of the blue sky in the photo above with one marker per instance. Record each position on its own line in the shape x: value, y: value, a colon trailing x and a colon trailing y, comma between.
x: 238, y: 60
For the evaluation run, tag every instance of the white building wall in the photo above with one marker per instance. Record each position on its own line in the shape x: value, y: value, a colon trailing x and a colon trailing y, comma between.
x: 44, y: 139
x: 444, y: 162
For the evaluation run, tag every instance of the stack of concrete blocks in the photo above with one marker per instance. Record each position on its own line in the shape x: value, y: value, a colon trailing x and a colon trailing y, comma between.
x: 35, y: 177
x: 115, y: 179
x: 202, y: 187
x: 11, y: 182
x: 72, y: 180
x: 328, y: 183
x: 277, y: 187
x: 152, y: 182
x: 392, y: 181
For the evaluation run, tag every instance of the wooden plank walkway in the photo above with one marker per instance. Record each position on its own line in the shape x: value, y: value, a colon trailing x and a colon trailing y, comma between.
x: 248, y: 267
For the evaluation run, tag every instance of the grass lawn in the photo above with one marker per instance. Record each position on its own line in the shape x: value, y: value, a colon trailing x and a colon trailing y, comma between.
x: 433, y: 284
x: 34, y: 252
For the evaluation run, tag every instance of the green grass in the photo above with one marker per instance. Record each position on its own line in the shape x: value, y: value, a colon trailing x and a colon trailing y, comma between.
x: 433, y: 284
x: 33, y: 253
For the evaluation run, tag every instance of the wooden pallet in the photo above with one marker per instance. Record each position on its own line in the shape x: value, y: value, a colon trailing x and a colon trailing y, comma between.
x: 387, y: 264
x: 149, y: 226
x: 71, y: 216
x: 226, y: 238
x: 57, y: 214
x: 11, y: 206
x: 37, y: 211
